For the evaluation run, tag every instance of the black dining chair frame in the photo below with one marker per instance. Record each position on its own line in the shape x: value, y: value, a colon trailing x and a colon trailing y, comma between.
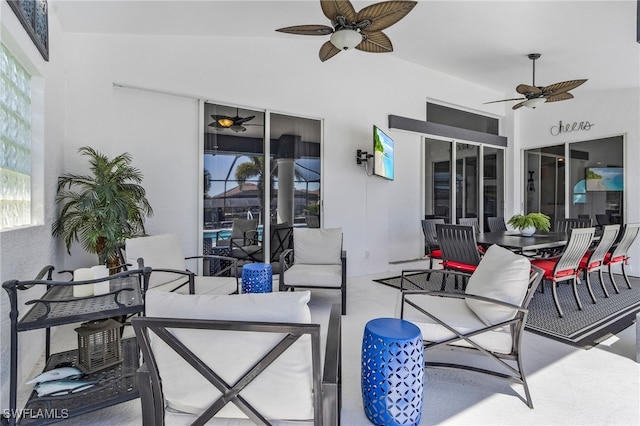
x: 459, y: 249
x: 496, y: 224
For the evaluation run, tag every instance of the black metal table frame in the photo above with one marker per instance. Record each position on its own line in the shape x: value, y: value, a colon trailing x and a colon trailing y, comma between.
x: 513, y: 240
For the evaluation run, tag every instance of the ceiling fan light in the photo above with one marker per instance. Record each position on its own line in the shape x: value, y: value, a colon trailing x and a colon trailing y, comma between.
x: 535, y: 102
x: 346, y: 39
x: 225, y: 122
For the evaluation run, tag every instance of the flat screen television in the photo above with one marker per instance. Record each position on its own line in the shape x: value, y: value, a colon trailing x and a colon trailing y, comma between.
x: 382, y: 154
x: 604, y: 178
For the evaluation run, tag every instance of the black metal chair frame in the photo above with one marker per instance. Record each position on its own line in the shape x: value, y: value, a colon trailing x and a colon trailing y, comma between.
x: 280, y: 240
x: 226, y: 266
x: 602, y: 219
x: 566, y: 225
x: 470, y: 221
x: 514, y: 373
x: 496, y: 224
x: 327, y: 381
x: 569, y: 260
x: 430, y: 238
x: 287, y: 259
x: 458, y: 245
x: 240, y: 235
x: 595, y: 262
x: 619, y: 253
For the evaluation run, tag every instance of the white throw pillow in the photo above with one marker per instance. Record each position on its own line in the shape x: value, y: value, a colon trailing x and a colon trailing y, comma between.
x: 317, y: 246
x: 282, y: 391
x: 501, y: 275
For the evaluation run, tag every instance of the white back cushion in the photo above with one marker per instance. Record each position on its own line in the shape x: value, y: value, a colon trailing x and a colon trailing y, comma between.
x: 283, y: 391
x: 501, y: 275
x: 158, y: 251
x: 317, y: 246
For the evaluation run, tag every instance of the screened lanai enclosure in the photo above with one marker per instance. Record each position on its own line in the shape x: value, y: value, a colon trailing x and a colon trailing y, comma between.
x: 246, y: 177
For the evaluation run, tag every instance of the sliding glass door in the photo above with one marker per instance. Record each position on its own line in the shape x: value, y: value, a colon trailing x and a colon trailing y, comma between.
x: 247, y: 174
x: 592, y: 178
x: 479, y: 185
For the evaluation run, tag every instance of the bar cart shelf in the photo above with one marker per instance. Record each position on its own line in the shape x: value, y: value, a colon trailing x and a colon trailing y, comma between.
x: 57, y: 306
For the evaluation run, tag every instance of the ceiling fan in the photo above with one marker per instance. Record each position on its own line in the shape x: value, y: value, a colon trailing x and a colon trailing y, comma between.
x: 537, y: 95
x: 233, y: 123
x: 362, y: 30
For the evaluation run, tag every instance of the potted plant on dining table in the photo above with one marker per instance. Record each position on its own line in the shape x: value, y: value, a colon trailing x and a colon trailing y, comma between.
x: 529, y: 223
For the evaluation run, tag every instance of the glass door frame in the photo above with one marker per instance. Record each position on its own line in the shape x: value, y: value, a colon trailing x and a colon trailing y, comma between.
x: 267, y: 172
x: 568, y: 190
x: 453, y: 173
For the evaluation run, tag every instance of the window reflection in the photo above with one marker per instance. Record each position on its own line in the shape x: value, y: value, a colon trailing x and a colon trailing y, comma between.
x: 241, y: 183
x: 234, y: 172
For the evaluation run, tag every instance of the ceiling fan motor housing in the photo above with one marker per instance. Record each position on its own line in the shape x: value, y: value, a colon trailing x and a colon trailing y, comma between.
x: 346, y: 39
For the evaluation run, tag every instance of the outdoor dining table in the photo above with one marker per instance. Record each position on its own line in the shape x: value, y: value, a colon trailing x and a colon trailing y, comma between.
x: 513, y: 240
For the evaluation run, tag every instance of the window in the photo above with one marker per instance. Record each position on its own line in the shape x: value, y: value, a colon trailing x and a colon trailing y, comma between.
x: 15, y: 137
x: 272, y: 178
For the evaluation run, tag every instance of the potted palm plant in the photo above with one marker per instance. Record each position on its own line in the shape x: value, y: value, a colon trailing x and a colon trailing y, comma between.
x: 102, y: 209
x: 530, y: 223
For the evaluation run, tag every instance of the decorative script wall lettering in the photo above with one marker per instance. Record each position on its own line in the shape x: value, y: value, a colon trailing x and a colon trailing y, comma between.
x: 571, y: 127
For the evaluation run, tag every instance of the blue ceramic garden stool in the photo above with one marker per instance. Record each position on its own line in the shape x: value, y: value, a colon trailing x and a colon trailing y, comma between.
x: 392, y: 372
x: 257, y: 278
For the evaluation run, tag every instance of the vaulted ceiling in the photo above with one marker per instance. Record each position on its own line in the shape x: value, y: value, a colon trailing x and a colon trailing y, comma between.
x: 485, y: 42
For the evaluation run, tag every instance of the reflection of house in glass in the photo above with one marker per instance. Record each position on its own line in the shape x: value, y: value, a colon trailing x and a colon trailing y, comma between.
x: 245, y: 202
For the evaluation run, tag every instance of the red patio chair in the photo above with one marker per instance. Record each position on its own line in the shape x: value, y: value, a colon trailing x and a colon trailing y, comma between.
x: 593, y: 260
x: 431, y: 247
x: 566, y: 266
x: 459, y: 249
x: 619, y: 254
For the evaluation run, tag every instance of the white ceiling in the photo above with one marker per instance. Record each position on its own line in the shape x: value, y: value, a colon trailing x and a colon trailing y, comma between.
x: 485, y: 42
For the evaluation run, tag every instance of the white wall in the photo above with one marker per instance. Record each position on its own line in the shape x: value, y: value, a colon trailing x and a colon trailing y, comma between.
x: 350, y: 92
x: 24, y: 251
x: 612, y: 113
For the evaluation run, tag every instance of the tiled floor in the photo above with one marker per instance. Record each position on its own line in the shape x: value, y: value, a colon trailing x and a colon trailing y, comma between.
x: 569, y: 386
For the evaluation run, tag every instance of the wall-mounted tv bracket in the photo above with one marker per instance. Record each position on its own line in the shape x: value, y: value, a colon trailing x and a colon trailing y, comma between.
x: 362, y: 156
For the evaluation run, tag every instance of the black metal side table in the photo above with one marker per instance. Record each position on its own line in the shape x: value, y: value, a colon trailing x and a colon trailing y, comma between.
x: 57, y: 306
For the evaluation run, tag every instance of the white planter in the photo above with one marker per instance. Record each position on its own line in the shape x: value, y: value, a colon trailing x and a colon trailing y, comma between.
x: 528, y: 231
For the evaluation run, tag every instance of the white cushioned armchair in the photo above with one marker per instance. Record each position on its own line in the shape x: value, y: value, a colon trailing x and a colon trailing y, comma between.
x: 231, y: 359
x: 488, y: 319
x: 163, y: 253
x: 317, y: 260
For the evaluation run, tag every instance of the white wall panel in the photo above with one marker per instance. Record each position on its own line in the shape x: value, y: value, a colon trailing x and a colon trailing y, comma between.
x: 351, y: 92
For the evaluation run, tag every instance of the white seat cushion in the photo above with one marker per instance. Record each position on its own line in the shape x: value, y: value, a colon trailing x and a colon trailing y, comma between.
x: 215, y: 285
x: 203, y: 285
x: 314, y: 275
x: 501, y: 275
x: 158, y: 251
x: 455, y: 313
x: 317, y: 246
x: 283, y: 391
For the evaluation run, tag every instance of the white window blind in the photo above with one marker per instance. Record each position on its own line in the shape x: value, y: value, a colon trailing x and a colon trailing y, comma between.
x: 15, y: 135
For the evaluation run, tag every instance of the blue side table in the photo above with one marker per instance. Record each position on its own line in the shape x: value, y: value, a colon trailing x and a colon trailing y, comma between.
x: 392, y: 372
x: 257, y: 278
